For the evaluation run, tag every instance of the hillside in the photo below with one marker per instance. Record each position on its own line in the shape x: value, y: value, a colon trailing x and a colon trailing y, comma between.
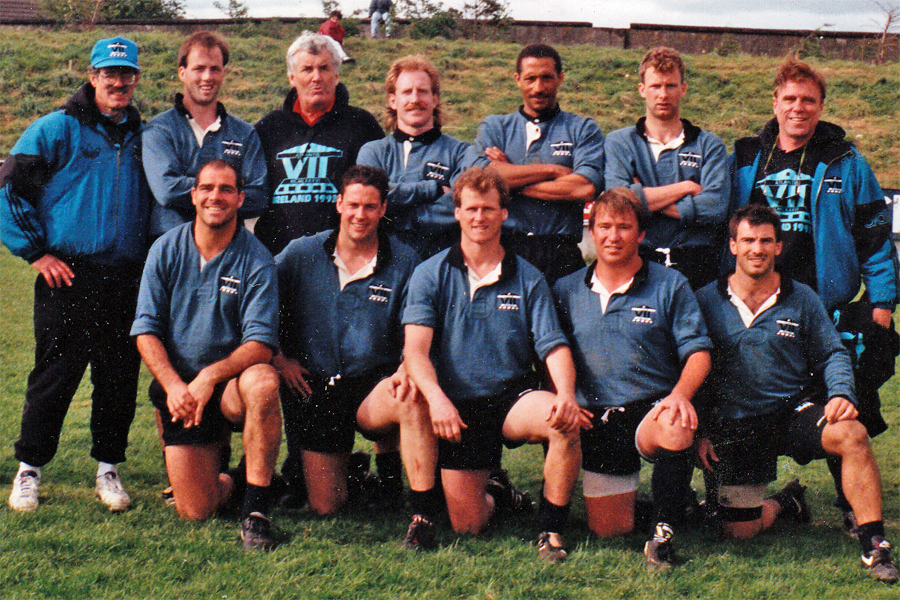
x: 728, y: 95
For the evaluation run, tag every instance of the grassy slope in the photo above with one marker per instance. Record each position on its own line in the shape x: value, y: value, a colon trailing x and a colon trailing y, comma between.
x: 72, y: 548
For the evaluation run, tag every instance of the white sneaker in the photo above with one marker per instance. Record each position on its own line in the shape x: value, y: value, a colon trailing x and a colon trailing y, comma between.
x: 109, y: 490
x: 24, y: 496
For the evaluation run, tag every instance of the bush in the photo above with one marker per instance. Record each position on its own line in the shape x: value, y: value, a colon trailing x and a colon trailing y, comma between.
x: 443, y: 24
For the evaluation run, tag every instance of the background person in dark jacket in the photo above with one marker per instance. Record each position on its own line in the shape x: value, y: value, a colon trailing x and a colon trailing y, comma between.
x: 74, y: 204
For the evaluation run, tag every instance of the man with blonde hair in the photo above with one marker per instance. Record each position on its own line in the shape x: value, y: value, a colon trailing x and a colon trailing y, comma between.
x: 421, y: 162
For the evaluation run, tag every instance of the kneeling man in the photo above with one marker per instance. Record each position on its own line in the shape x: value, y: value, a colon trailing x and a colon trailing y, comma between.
x: 781, y: 384
x: 206, y: 326
x: 641, y: 352
x: 341, y: 295
x: 476, y: 317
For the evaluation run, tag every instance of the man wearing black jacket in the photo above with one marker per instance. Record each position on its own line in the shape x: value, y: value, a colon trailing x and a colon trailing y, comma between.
x: 308, y: 145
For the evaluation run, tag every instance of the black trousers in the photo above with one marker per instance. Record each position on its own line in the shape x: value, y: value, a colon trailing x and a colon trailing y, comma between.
x: 87, y: 323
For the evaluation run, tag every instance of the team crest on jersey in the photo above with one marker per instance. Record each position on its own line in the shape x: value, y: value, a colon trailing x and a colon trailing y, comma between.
x: 306, y: 170
x: 562, y: 148
x: 643, y: 314
x: 436, y: 170
x: 787, y: 328
x: 834, y: 185
x: 229, y: 285
x: 379, y: 293
x: 508, y: 301
x: 689, y: 159
x: 232, y: 148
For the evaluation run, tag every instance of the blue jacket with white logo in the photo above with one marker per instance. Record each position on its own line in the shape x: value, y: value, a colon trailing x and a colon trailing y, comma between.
x: 73, y: 186
x: 203, y: 315
x: 565, y: 139
x: 349, y: 332
x: 417, y: 202
x: 636, y: 349
x: 172, y: 159
x: 851, y: 223
x: 762, y: 368
x: 482, y: 345
x: 702, y: 158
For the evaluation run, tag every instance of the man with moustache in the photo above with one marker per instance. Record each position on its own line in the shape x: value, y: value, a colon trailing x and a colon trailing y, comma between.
x: 421, y: 162
x: 195, y: 131
x: 74, y: 204
x: 551, y: 160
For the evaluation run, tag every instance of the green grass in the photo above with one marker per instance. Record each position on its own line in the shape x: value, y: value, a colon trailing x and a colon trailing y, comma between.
x: 72, y: 548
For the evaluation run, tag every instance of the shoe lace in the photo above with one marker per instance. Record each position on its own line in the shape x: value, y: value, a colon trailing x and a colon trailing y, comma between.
x: 27, y: 483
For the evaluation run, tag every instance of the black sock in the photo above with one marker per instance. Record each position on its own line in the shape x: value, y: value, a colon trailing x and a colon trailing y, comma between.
x: 866, y: 531
x: 671, y: 484
x: 256, y: 500
x: 390, y: 472
x: 427, y: 503
x: 552, y: 517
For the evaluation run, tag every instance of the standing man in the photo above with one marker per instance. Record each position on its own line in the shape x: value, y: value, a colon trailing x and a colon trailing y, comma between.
x: 781, y: 384
x: 641, y: 352
x: 206, y: 327
x: 308, y: 144
x: 553, y: 162
x: 421, y: 162
x: 679, y: 172
x: 835, y: 224
x: 74, y: 204
x: 341, y: 294
x: 380, y: 12
x: 477, y: 316
x: 195, y: 131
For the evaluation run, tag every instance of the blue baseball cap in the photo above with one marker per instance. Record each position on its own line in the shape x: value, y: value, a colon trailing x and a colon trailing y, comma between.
x: 115, y: 52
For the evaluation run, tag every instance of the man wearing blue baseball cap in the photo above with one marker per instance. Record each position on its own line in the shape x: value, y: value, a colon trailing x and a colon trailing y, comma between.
x: 74, y: 204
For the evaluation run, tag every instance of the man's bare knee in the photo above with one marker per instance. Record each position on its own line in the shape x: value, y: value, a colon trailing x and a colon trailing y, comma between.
x: 259, y: 382
x: 848, y: 438
x: 742, y: 531
x: 195, y: 511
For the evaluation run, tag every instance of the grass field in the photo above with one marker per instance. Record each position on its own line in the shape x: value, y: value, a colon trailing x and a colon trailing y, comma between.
x: 73, y: 548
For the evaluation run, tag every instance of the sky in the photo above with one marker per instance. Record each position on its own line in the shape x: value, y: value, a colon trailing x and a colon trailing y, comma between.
x: 829, y: 15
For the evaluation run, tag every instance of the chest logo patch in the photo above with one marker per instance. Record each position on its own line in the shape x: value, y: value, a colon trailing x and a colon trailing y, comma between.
x: 379, y: 293
x: 562, y: 148
x: 508, y: 301
x: 91, y: 153
x: 436, y: 170
x: 835, y: 185
x: 306, y: 170
x: 689, y: 159
x: 787, y: 328
x: 232, y: 148
x: 229, y: 285
x: 643, y: 314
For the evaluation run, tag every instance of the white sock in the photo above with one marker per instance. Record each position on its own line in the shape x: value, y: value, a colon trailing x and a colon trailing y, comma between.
x: 104, y: 468
x: 27, y: 467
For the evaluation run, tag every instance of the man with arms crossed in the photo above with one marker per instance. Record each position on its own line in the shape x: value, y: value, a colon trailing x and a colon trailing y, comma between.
x: 309, y: 143
x: 206, y: 327
x: 835, y: 224
x: 195, y: 131
x: 679, y: 172
x: 421, y: 162
x: 781, y: 384
x: 73, y: 203
x: 553, y: 160
x: 341, y: 294
x: 641, y: 351
x: 476, y: 316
